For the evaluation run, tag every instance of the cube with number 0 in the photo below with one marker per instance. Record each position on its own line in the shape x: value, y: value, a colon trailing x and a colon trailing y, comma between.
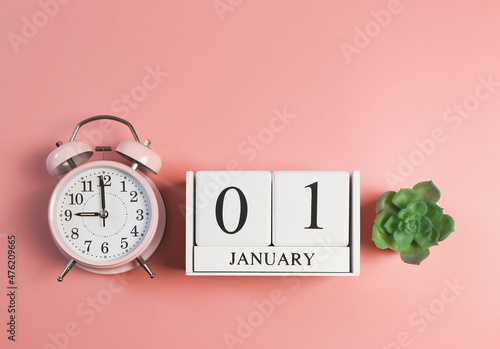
x: 233, y: 208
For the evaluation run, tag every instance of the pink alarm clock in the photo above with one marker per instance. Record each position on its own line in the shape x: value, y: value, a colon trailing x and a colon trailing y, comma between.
x: 105, y: 216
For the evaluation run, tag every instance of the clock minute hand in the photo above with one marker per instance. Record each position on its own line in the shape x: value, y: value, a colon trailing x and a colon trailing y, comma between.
x: 103, y: 212
x: 103, y: 199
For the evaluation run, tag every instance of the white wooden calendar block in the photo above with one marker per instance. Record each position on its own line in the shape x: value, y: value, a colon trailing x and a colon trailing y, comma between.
x: 326, y: 252
x: 233, y: 208
x: 311, y: 208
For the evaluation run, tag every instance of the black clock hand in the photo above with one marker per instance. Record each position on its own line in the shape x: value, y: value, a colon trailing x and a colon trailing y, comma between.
x: 87, y: 214
x: 103, y: 213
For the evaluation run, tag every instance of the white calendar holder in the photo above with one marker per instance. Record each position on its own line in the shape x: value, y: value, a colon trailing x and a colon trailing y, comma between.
x: 321, y: 259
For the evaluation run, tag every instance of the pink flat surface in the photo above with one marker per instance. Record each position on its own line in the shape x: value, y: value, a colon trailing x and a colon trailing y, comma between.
x: 403, y: 91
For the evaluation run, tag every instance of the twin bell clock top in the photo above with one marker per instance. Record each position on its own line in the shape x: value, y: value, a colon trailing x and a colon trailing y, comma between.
x: 108, y: 217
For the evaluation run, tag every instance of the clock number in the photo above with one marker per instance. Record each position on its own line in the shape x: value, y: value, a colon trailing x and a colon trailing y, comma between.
x: 124, y: 243
x: 104, y: 247
x: 74, y: 233
x: 68, y: 215
x: 140, y: 215
x: 134, y: 196
x: 134, y: 232
x: 243, y: 210
x: 123, y: 186
x: 87, y: 186
x: 314, y: 206
x: 106, y: 180
x: 89, y: 242
x: 75, y: 199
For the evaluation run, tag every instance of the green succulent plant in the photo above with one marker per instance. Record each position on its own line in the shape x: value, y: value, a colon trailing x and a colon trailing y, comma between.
x: 410, y: 221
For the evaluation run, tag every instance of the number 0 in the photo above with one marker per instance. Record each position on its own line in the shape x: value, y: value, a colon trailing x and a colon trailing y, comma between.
x: 243, y: 210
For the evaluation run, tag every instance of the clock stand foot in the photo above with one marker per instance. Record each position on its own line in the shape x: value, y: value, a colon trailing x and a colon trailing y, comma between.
x: 143, y: 264
x: 70, y: 265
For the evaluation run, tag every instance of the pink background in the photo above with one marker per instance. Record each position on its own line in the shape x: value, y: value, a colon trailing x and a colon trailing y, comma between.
x: 407, y: 99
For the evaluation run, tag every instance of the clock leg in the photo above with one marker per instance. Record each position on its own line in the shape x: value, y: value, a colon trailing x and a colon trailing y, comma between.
x: 143, y: 264
x: 70, y: 265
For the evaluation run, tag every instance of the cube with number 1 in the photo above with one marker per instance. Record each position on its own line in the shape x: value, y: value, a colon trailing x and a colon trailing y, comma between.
x: 311, y: 208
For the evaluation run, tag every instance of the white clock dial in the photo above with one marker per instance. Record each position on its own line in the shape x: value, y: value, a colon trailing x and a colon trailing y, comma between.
x: 97, y: 227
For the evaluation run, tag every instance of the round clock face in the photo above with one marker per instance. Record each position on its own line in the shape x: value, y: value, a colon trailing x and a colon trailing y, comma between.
x: 101, y: 213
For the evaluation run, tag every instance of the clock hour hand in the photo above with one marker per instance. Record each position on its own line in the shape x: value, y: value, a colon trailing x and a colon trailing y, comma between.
x: 103, y: 212
x: 87, y: 214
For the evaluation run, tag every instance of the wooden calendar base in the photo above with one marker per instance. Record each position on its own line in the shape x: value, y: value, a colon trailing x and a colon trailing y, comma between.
x: 320, y: 260
x: 271, y: 259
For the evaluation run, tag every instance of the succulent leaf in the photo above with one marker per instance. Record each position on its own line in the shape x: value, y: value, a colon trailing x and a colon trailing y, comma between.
x: 404, y: 197
x: 405, y: 213
x: 446, y: 226
x: 418, y: 207
x: 402, y: 239
x: 415, y: 254
x: 434, y: 212
x: 427, y: 191
x: 382, y: 218
x: 391, y: 224
x: 384, y: 202
x: 426, y: 224
x: 431, y: 241
x: 395, y: 246
x: 380, y: 239
x: 423, y: 236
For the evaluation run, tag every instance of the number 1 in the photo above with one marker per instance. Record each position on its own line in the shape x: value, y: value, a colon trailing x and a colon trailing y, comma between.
x: 314, y: 206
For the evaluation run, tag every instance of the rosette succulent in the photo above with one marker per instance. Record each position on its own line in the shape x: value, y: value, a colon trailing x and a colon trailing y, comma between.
x: 410, y: 221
